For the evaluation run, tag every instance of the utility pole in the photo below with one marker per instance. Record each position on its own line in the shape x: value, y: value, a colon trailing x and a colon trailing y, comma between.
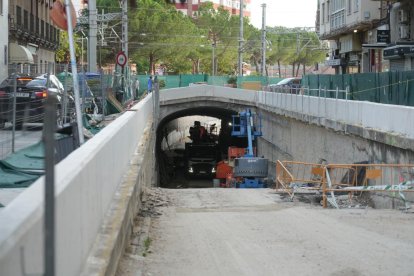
x: 125, y: 28
x: 92, y: 40
x: 240, y: 63
x: 213, y: 61
x: 264, y: 40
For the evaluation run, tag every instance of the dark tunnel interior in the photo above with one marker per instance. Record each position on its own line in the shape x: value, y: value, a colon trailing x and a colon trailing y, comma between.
x: 184, y: 160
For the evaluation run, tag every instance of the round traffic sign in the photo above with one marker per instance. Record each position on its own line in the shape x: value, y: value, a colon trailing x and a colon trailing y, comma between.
x: 121, y: 59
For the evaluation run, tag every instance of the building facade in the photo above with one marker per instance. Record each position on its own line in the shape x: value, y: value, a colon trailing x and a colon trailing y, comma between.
x: 33, y: 38
x: 400, y: 51
x: 357, y: 31
x: 4, y: 39
x: 233, y: 6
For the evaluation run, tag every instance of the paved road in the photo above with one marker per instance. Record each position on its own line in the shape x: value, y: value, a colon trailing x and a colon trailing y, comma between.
x: 255, y: 232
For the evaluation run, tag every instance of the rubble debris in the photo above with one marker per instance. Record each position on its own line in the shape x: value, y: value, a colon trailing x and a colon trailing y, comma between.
x: 153, y: 198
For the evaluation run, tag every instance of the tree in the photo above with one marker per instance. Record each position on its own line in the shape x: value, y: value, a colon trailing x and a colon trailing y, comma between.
x: 222, y: 31
x: 157, y: 31
x: 63, y: 53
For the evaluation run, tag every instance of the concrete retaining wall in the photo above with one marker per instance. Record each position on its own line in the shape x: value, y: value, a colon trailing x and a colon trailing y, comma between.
x: 304, y: 128
x: 86, y: 183
x: 389, y: 124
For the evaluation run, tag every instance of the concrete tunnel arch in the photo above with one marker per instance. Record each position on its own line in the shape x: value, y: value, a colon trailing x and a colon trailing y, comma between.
x: 222, y: 113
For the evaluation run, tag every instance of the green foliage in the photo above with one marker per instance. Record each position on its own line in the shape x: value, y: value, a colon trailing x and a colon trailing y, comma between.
x: 161, y: 83
x: 63, y: 53
x: 160, y: 34
x: 232, y: 80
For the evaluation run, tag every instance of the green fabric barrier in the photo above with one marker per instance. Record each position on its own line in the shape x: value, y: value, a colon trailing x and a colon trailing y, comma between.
x: 262, y: 80
x: 185, y: 80
x: 28, y: 160
x: 93, y: 129
x: 170, y: 81
x: 366, y: 87
x: 387, y: 88
x: 10, y: 178
x: 217, y: 80
x: 324, y: 83
x: 272, y: 80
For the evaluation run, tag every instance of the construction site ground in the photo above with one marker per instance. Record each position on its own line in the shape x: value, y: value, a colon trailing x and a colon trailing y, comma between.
x: 220, y: 231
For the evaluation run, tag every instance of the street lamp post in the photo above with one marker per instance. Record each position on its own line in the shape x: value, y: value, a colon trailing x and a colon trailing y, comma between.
x: 213, y: 63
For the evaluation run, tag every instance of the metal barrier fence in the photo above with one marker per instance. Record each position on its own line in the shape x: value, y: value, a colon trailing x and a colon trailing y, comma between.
x: 387, y: 88
x: 24, y: 91
x: 184, y: 80
x: 328, y: 179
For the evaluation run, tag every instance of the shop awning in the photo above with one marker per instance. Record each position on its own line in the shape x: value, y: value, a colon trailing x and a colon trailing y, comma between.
x: 374, y: 45
x: 19, y: 54
x: 398, y: 51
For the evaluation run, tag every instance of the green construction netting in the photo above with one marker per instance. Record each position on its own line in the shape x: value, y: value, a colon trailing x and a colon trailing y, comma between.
x: 29, y: 160
x: 217, y: 80
x: 23, y: 167
x: 10, y: 178
x: 387, y: 88
x: 272, y: 80
x: 185, y: 80
x: 92, y: 129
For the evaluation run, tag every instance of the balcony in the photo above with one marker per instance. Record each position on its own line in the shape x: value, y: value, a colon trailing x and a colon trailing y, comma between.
x: 40, y: 37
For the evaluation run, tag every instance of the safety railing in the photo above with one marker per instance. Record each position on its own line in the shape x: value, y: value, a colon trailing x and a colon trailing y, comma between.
x: 329, y: 179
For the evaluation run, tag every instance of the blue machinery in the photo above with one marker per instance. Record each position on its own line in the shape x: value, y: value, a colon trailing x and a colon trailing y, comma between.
x: 250, y: 168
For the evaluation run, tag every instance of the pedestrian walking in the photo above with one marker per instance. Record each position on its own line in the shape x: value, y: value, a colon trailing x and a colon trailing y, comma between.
x: 150, y: 84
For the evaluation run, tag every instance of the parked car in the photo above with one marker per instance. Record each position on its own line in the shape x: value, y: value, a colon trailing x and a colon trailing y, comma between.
x: 31, y: 96
x: 288, y: 85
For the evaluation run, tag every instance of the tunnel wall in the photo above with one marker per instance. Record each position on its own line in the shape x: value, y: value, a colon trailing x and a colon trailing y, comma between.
x: 393, y: 121
x: 86, y: 184
x: 307, y: 128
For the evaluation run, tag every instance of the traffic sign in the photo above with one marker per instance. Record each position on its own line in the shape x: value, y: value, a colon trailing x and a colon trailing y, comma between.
x: 121, y: 59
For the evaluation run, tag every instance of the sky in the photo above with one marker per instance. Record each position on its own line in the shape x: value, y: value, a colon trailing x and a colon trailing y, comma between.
x: 287, y: 13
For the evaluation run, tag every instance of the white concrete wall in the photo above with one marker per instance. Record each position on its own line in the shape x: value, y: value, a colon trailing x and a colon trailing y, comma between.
x: 4, y: 40
x: 85, y: 184
x: 387, y: 118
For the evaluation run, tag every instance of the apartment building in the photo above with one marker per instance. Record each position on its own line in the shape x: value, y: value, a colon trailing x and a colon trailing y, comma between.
x: 4, y: 39
x: 400, y: 52
x: 33, y: 39
x: 233, y: 6
x: 358, y: 31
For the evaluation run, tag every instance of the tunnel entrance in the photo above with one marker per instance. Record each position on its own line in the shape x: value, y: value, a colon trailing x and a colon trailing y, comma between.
x: 190, y: 146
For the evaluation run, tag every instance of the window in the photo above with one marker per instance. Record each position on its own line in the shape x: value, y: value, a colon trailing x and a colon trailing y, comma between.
x: 26, y: 20
x: 32, y: 26
x: 328, y: 11
x: 47, y: 31
x: 323, y: 14
x: 1, y: 7
x: 6, y: 54
x: 349, y: 7
x: 18, y: 15
x: 51, y: 37
x: 356, y: 6
x: 42, y: 28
